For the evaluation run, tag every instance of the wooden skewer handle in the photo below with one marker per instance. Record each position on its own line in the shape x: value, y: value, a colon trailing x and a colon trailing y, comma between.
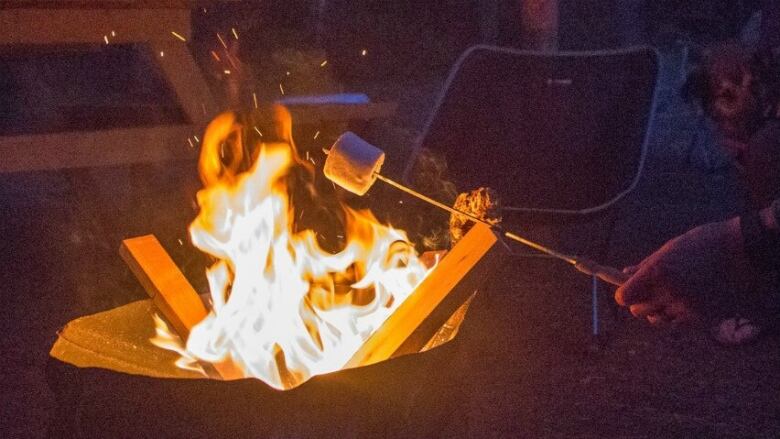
x: 608, y: 274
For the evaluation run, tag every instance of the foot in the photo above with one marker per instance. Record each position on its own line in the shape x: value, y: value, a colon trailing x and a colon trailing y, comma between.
x: 736, y: 331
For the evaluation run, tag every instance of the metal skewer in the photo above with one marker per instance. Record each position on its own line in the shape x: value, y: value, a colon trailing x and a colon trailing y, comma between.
x: 354, y: 165
x: 608, y: 274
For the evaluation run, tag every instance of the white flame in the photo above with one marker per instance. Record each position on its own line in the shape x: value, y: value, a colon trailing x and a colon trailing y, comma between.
x: 280, y: 309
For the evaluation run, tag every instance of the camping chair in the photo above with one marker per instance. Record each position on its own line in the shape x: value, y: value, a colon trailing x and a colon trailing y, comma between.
x: 561, y: 136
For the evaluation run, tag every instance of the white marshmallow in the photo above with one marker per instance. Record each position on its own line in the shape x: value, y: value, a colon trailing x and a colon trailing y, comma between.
x: 353, y: 163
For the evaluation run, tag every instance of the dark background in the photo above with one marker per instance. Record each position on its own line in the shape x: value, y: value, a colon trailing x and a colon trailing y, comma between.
x: 60, y: 230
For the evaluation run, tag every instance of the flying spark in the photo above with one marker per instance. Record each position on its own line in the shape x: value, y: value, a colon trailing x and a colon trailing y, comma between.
x: 178, y: 36
x: 105, y: 38
x: 215, y: 56
x: 324, y: 63
x: 281, y: 88
x: 235, y: 34
x: 221, y: 41
x: 113, y: 34
x: 254, y: 98
x: 230, y: 59
x: 363, y: 52
x: 317, y: 134
x: 258, y: 132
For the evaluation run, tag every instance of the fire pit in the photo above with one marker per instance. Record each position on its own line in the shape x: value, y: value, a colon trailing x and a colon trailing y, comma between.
x: 281, y: 309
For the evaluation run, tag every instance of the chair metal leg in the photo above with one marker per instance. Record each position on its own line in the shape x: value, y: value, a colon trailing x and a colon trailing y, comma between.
x: 594, y: 303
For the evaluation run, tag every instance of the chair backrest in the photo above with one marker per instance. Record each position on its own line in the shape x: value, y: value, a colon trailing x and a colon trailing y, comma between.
x: 551, y: 132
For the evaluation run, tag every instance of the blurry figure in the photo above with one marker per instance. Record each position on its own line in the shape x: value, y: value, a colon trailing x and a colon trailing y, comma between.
x: 734, y: 261
x: 739, y: 89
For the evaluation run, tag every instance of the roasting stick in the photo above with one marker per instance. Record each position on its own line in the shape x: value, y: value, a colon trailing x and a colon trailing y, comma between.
x: 454, y: 211
x: 608, y: 274
x: 354, y: 164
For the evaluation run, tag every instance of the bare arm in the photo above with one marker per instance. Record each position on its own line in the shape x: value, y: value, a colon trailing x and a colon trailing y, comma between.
x: 671, y: 283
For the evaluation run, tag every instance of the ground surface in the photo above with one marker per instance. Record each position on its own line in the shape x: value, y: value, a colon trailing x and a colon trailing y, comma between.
x: 526, y: 343
x: 529, y: 357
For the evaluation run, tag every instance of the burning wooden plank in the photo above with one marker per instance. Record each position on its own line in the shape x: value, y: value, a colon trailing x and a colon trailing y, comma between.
x: 170, y: 291
x: 165, y: 284
x: 408, y: 330
x: 438, y: 296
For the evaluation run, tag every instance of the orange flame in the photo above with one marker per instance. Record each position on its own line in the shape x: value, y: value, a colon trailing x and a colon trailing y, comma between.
x: 284, y: 309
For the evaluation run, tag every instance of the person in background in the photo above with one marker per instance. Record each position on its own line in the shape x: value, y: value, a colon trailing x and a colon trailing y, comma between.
x: 733, y: 262
x: 683, y: 279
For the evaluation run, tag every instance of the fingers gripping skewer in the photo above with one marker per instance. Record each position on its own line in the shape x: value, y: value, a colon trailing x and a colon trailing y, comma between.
x: 354, y: 164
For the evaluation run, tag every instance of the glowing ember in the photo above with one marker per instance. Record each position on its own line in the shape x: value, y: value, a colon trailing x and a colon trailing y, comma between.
x: 178, y: 36
x: 221, y: 41
x: 284, y: 309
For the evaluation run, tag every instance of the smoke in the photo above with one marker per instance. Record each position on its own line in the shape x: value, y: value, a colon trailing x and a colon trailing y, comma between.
x: 430, y: 176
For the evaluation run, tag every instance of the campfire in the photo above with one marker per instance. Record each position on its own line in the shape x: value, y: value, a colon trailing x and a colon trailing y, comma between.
x: 282, y: 306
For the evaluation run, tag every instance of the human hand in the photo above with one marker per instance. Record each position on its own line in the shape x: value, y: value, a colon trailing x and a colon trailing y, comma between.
x: 675, y: 282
